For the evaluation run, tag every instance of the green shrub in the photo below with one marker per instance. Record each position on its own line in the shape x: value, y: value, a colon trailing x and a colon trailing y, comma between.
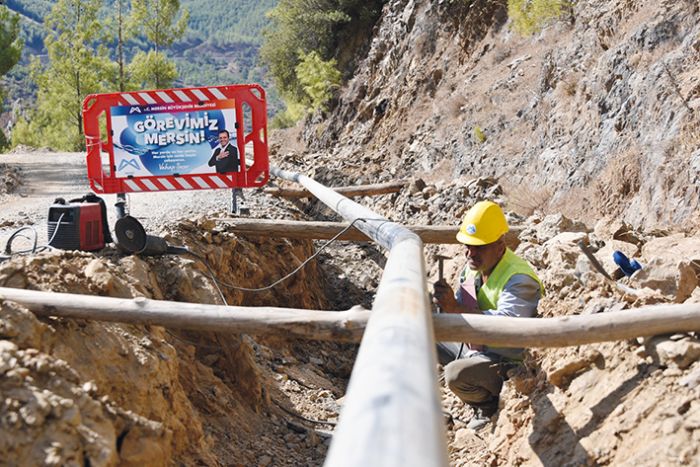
x: 530, y: 16
x: 318, y: 78
x: 292, y: 113
x: 333, y: 29
x: 4, y: 142
x: 479, y: 135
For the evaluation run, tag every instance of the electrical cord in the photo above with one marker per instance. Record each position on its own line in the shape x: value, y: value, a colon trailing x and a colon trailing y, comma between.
x: 218, y: 282
x: 34, y: 249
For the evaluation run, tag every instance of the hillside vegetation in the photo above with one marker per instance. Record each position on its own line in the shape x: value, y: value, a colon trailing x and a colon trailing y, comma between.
x: 220, y: 44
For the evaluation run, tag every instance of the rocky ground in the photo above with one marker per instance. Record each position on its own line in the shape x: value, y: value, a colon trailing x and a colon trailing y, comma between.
x: 199, y: 397
x: 77, y: 390
x: 10, y: 179
x: 589, y: 134
x: 595, y: 115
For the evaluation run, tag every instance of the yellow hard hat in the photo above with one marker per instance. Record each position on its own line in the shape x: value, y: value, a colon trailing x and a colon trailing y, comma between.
x: 484, y: 223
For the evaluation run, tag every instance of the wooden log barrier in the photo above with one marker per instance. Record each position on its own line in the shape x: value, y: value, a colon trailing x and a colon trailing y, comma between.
x: 348, y: 326
x: 435, y: 234
x: 444, y: 234
x: 350, y: 191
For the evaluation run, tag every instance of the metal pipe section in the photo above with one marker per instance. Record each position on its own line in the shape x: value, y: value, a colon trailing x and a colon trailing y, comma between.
x: 392, y: 414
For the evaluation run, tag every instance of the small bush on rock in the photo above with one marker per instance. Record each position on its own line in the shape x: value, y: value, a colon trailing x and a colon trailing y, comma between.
x: 318, y: 78
x: 530, y: 16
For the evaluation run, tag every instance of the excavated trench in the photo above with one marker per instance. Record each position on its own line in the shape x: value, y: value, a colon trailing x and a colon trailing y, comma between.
x: 86, y: 392
x: 77, y: 392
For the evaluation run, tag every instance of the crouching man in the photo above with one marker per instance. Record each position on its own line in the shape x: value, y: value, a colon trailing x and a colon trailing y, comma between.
x: 495, y: 281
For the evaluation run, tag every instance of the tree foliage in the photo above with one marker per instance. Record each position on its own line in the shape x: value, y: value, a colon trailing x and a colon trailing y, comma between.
x: 10, y: 45
x: 318, y: 78
x: 327, y: 27
x: 10, y: 50
x: 76, y: 68
x: 227, y: 22
x: 152, y: 70
x: 122, y: 31
x: 159, y: 22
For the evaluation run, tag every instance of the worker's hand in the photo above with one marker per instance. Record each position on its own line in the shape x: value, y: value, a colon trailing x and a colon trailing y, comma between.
x: 444, y: 297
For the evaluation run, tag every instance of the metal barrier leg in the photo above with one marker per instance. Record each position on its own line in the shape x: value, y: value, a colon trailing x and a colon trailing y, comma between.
x: 121, y: 205
x: 238, y: 206
x: 234, y: 202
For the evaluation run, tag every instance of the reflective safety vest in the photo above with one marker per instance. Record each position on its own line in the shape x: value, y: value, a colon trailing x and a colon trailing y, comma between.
x: 507, y: 267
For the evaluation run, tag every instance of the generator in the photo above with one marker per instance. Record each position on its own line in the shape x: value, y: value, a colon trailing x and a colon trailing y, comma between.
x: 79, y: 224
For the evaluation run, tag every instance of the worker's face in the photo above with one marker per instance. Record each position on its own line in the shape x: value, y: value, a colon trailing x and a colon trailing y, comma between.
x: 484, y: 258
x: 223, y: 139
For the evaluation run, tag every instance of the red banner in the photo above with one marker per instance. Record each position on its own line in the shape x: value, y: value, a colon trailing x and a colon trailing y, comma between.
x: 177, y: 139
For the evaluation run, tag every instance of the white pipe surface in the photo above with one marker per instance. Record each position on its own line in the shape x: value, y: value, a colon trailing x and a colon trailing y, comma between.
x: 392, y: 414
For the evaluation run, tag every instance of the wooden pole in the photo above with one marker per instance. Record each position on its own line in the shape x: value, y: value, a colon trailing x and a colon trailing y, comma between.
x: 434, y: 234
x: 348, y: 326
x: 444, y: 234
x: 564, y: 331
x: 392, y: 414
x: 357, y: 190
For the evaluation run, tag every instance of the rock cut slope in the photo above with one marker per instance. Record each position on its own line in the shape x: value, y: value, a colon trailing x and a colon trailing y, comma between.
x: 594, y: 115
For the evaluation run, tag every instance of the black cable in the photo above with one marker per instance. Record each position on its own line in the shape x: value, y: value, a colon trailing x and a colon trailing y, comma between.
x: 34, y: 249
x: 267, y: 287
x: 15, y: 234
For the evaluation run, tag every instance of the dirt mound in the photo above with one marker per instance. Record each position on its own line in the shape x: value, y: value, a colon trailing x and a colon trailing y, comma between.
x: 86, y: 392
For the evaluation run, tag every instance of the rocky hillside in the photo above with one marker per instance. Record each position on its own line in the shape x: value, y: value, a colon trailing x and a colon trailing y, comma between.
x: 595, y: 115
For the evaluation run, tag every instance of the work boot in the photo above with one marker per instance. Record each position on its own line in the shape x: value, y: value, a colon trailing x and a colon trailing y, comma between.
x: 483, y: 412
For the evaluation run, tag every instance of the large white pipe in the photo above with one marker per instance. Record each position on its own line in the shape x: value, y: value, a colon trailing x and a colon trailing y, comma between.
x: 392, y: 414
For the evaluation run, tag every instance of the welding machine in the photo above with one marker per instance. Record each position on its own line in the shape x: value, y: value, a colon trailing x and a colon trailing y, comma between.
x: 79, y: 224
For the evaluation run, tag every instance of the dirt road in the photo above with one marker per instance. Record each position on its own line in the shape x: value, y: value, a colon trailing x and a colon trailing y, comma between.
x: 49, y: 175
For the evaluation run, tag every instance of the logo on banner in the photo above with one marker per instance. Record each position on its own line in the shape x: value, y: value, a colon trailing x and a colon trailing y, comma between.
x: 128, y: 163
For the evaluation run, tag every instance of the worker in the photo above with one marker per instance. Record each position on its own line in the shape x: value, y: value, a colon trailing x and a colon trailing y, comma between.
x: 496, y: 282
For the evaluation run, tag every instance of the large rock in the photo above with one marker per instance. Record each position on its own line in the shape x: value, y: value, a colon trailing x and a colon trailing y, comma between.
x: 561, y: 254
x: 670, y: 266
x: 551, y: 226
x: 673, y: 246
x: 677, y: 351
x: 607, y: 229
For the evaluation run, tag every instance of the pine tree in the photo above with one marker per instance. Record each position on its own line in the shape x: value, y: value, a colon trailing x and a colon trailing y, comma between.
x: 76, y: 68
x: 10, y: 51
x: 10, y: 45
x: 158, y: 20
x: 123, y: 33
